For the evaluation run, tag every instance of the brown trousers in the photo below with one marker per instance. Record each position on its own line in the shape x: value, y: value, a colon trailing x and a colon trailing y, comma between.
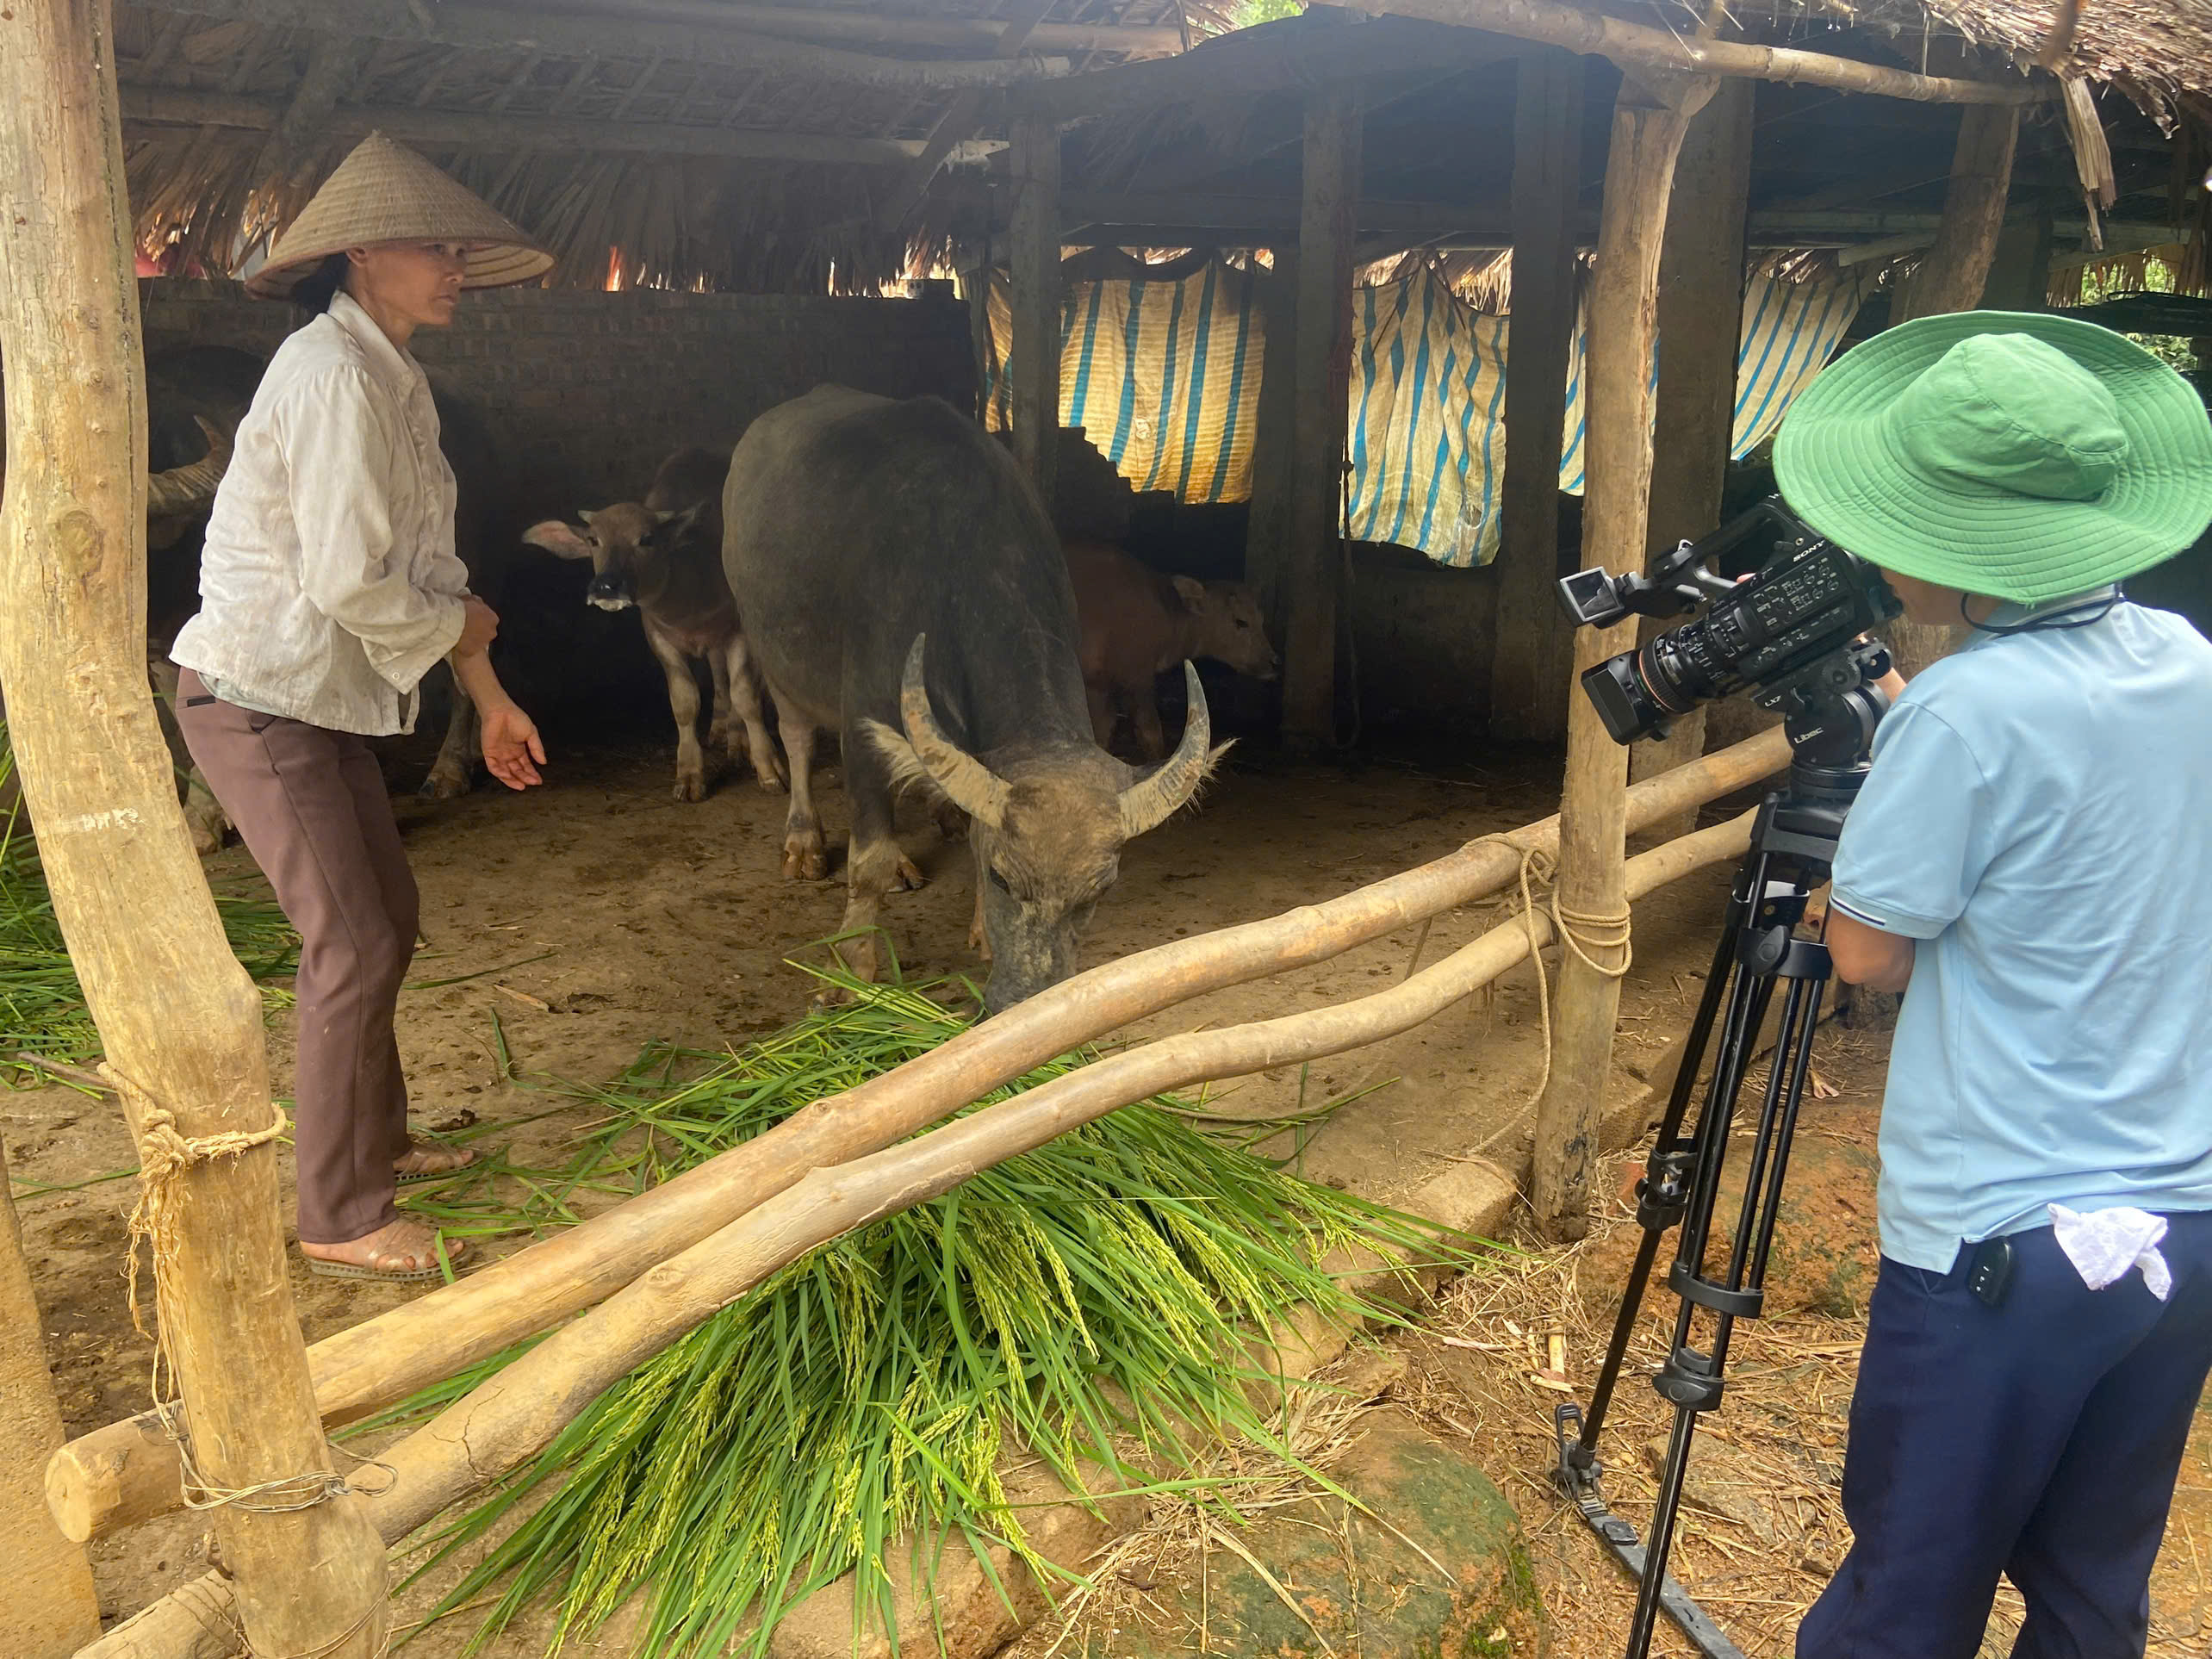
x: 311, y: 806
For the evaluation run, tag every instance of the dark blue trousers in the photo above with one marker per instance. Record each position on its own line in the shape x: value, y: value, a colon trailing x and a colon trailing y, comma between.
x: 2039, y: 1440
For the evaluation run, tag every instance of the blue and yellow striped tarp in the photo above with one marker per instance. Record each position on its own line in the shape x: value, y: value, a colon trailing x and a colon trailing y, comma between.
x: 1164, y: 377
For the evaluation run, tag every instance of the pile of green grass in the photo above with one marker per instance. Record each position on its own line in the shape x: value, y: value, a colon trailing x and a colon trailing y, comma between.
x: 41, y: 1005
x: 1092, y: 1300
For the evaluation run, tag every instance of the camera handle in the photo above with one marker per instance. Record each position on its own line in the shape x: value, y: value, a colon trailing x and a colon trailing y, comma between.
x: 1792, y: 850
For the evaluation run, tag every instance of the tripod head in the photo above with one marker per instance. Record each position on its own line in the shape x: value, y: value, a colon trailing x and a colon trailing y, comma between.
x: 1829, y: 711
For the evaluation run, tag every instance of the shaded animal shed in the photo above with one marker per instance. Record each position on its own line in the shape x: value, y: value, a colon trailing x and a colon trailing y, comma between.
x: 682, y: 145
x: 295, y: 97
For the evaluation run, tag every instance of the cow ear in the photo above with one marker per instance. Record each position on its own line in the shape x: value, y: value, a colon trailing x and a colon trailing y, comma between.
x: 674, y: 527
x: 558, y: 539
x: 1191, y: 590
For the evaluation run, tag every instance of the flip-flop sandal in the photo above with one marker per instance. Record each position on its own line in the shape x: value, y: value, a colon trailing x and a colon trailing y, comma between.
x: 453, y: 1254
x: 410, y: 1179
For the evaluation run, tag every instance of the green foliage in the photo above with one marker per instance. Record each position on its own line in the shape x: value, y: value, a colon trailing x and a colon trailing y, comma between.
x: 2100, y: 284
x: 1095, y: 1294
x: 41, y: 1005
x: 1245, y: 14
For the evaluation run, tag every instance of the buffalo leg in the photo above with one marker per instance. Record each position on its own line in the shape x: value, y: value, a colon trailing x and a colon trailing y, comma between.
x: 203, y: 815
x: 683, y: 704
x: 806, y: 856
x: 734, y: 670
x: 873, y: 862
x: 1102, y: 712
x: 454, y: 770
x: 1144, y: 712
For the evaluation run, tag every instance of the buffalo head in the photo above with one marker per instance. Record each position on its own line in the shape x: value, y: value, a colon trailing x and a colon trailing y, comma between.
x: 623, y: 542
x: 1046, y: 822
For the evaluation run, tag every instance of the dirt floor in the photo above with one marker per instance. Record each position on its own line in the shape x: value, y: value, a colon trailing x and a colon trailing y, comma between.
x: 598, y: 914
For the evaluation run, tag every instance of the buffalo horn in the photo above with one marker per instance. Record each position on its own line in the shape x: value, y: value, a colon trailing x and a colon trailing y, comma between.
x: 187, y: 489
x: 967, y: 782
x: 1149, y: 802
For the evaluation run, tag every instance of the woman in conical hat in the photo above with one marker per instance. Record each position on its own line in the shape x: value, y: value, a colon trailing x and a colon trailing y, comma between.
x: 329, y: 587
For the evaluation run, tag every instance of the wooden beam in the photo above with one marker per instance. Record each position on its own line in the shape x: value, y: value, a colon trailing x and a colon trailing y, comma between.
x: 1700, y: 318
x: 1299, y: 55
x: 872, y: 28
x: 1314, y: 560
x: 1267, y: 524
x: 333, y: 63
x: 1648, y: 127
x: 440, y: 129
x: 958, y: 122
x: 1528, y: 669
x: 474, y: 28
x: 1272, y: 213
x: 180, y: 1021
x: 1034, y: 352
x: 53, y: 1609
x: 1635, y: 45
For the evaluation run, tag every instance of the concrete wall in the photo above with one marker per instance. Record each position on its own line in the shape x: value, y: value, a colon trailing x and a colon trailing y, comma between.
x: 585, y: 392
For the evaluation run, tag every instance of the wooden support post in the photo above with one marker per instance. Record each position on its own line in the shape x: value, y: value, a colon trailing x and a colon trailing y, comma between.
x: 1648, y: 126
x: 1952, y: 277
x: 1528, y: 671
x: 1033, y: 357
x: 178, y: 1017
x: 52, y: 1608
x: 1267, y: 528
x: 1327, y: 225
x: 1701, y: 320
x: 2020, y: 266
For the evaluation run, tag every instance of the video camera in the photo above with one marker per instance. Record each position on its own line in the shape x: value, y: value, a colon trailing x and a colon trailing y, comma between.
x: 1789, y: 634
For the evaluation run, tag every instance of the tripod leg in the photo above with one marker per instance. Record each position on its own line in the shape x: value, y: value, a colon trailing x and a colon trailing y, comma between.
x: 1662, y: 1193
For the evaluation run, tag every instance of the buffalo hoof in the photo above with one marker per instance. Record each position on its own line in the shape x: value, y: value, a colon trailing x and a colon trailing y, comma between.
x: 805, y: 864
x: 771, y: 783
x: 910, y: 879
x: 979, y: 941
x: 691, y: 786
x: 445, y: 784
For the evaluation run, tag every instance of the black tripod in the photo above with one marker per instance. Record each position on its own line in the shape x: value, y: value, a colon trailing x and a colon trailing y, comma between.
x: 1830, y: 725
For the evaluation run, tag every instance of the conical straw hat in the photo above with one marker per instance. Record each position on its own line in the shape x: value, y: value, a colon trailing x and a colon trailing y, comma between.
x: 384, y: 192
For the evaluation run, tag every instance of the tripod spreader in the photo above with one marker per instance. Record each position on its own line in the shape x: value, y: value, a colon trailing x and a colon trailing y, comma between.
x: 1758, y: 955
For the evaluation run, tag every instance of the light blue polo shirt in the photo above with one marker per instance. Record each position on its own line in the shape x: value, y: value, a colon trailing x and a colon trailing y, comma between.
x: 2039, y: 817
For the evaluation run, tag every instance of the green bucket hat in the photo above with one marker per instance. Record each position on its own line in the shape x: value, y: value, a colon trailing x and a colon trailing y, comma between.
x: 2007, y: 453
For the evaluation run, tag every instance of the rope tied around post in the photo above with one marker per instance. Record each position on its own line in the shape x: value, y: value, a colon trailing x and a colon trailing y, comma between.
x: 1580, y: 931
x: 165, y: 1154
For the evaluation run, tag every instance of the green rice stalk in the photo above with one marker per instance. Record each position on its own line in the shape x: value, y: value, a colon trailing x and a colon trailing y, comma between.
x: 870, y: 1391
x: 42, y: 1009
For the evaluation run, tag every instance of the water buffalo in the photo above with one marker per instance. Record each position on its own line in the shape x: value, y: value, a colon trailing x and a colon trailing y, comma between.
x: 664, y: 557
x: 1138, y: 623
x: 904, y: 588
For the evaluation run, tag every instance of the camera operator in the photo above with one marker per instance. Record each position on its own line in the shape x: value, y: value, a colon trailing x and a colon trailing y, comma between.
x: 2032, y: 855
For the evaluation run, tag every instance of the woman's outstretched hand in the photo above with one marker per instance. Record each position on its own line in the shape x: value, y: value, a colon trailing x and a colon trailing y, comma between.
x: 512, y: 752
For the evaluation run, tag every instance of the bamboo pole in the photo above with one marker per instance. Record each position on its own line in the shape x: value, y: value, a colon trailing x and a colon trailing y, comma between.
x: 52, y: 1607
x: 176, y: 1014
x: 512, y: 1417
x: 1642, y: 50
x: 1700, y: 318
x: 1314, y: 562
x: 1528, y: 671
x: 1646, y: 135
x: 1033, y: 353
x: 127, y: 1472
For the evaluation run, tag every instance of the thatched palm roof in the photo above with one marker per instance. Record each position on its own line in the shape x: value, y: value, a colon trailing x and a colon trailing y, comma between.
x: 768, y: 145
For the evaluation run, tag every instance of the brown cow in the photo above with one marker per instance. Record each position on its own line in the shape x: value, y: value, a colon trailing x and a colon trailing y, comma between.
x: 664, y: 557
x: 1138, y: 623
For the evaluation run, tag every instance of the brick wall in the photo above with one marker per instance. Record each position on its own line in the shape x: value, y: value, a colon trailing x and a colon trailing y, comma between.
x: 585, y: 392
